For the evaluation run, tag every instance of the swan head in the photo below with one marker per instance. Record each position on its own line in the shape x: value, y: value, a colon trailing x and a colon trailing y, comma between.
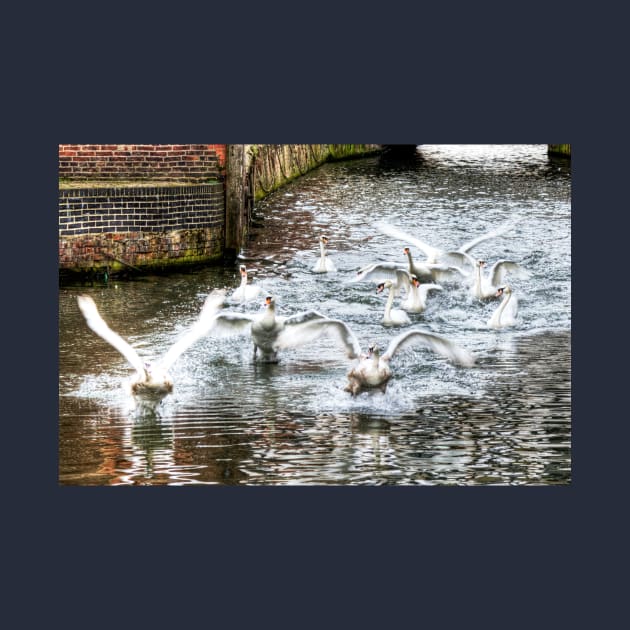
x: 481, y: 263
x: 243, y: 270
x: 415, y: 281
x: 383, y: 285
x: 323, y: 239
x: 506, y: 290
x: 270, y: 301
x: 406, y: 251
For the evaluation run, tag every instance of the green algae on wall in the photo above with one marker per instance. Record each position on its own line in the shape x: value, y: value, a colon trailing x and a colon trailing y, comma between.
x: 559, y: 149
x: 274, y: 165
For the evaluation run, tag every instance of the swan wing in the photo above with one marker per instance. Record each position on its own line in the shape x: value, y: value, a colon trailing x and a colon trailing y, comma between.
x: 403, y: 279
x: 440, y: 345
x: 502, y: 229
x: 445, y: 273
x: 307, y: 331
x: 380, y: 271
x: 300, y: 318
x: 204, y: 322
x: 99, y: 326
x: 227, y: 323
x: 432, y: 253
x: 500, y: 268
x: 459, y: 259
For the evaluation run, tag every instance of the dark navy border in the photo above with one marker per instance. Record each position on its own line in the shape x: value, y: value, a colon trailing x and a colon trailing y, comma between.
x: 309, y: 557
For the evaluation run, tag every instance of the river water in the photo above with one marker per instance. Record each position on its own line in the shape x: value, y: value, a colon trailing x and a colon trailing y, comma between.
x: 231, y: 421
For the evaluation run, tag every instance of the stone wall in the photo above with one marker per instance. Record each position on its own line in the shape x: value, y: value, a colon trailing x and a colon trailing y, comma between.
x: 271, y: 166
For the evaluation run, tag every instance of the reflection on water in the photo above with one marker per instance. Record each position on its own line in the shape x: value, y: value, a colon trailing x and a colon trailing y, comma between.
x: 231, y: 421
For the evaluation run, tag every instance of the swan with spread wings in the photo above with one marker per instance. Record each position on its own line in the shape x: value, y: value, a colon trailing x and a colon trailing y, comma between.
x: 271, y: 333
x: 373, y: 370
x: 152, y: 379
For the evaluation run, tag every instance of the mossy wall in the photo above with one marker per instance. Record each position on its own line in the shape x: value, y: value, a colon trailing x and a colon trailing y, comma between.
x: 139, y: 228
x: 271, y: 166
x: 559, y: 149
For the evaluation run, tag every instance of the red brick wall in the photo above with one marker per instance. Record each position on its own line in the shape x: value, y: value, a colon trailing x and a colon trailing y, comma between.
x: 162, y: 162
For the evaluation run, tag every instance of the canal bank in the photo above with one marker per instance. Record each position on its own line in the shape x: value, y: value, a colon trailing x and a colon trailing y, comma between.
x: 132, y: 209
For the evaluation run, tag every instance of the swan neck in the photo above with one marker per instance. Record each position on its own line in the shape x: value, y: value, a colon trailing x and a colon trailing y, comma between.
x: 270, y: 313
x: 502, y: 306
x: 390, y: 301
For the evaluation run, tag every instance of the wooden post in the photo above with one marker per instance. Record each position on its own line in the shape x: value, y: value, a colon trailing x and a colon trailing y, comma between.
x: 234, y: 197
x: 559, y: 149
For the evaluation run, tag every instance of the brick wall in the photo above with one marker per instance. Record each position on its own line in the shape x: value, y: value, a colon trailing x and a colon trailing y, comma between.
x: 141, y: 226
x: 142, y: 162
x: 140, y: 206
x: 146, y: 209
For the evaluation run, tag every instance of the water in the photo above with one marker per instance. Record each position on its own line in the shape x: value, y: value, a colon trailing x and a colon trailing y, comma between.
x: 231, y: 421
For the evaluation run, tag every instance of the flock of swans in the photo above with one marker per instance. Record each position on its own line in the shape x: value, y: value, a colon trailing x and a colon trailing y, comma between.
x: 271, y: 333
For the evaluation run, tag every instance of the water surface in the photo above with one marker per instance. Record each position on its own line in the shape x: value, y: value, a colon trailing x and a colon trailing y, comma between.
x: 232, y: 421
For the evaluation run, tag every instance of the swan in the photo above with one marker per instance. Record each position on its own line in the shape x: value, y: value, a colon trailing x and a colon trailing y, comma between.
x: 505, y: 314
x: 486, y: 286
x: 373, y: 369
x: 271, y: 333
x: 431, y: 271
x: 394, y: 278
x: 152, y: 379
x: 392, y: 316
x: 245, y: 292
x: 384, y: 271
x: 324, y: 263
x: 436, y: 255
x: 416, y: 300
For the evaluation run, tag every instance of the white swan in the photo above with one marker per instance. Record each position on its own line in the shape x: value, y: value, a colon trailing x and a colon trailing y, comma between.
x: 324, y: 263
x: 245, y: 292
x: 384, y: 271
x: 431, y: 271
x: 505, y: 314
x: 373, y: 369
x: 392, y: 316
x: 271, y: 333
x: 397, y: 278
x: 152, y: 379
x: 486, y: 286
x: 416, y: 301
x: 435, y: 254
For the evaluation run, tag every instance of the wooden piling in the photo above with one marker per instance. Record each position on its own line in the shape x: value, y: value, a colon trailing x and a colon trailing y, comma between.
x: 235, y: 185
